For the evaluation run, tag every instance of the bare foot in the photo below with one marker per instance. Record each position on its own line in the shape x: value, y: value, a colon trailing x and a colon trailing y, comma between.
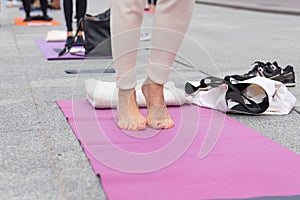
x: 157, y: 114
x: 129, y: 116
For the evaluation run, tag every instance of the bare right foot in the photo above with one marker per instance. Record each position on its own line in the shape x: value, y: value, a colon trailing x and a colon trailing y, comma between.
x: 157, y: 113
x: 129, y: 115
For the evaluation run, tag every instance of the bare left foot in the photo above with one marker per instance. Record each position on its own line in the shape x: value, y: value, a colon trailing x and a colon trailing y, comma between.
x: 157, y: 113
x: 129, y: 116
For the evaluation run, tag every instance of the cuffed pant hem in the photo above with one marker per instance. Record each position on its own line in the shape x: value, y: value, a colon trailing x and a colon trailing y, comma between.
x: 126, y: 81
x: 158, y: 73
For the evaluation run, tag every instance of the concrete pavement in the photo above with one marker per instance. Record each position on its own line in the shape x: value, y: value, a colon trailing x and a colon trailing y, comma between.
x: 290, y: 7
x: 40, y: 156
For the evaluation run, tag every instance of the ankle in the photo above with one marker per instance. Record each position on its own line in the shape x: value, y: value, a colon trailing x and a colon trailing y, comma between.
x: 80, y: 33
x: 70, y: 33
x: 149, y: 81
x: 153, y: 92
x: 126, y: 94
x: 153, y: 87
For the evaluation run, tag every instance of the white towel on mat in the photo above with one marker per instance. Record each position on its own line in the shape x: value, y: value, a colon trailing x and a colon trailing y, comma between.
x: 104, y: 94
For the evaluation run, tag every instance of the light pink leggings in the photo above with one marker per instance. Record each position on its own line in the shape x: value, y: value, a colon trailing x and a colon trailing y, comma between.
x: 171, y: 21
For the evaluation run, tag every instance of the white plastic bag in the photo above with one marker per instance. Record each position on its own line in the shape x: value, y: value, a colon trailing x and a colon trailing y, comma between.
x: 261, y: 90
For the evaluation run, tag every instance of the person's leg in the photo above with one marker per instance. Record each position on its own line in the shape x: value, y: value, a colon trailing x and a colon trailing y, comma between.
x: 68, y: 12
x: 44, y: 7
x: 170, y: 25
x: 126, y: 20
x: 152, y: 6
x: 26, y: 5
x: 81, y: 6
x: 148, y: 5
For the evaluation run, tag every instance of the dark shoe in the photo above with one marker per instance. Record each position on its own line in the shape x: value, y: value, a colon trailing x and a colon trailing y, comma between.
x: 79, y: 41
x: 273, y: 71
x: 289, y: 76
x: 268, y: 70
x: 27, y: 19
x: 47, y: 18
x: 287, y: 73
x: 254, y: 71
x: 69, y: 40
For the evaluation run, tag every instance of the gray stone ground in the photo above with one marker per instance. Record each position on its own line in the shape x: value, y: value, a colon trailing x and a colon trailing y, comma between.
x: 291, y: 7
x: 40, y: 156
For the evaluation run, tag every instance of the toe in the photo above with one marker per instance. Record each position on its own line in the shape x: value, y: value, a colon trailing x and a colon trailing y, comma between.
x: 132, y: 127
x: 170, y: 123
x: 141, y: 127
x: 156, y: 125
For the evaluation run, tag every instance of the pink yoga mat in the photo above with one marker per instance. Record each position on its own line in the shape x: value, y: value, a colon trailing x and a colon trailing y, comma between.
x: 207, y: 155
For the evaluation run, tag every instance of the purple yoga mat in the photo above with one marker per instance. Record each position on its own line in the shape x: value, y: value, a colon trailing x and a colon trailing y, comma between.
x: 51, y: 49
x: 180, y: 163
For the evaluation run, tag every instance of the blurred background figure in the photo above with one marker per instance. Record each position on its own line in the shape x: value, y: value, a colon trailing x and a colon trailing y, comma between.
x: 13, y: 3
x: 27, y: 8
x: 81, y: 6
x: 151, y: 6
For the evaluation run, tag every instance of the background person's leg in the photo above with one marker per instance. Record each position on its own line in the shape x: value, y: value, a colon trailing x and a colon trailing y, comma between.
x: 81, y: 6
x: 26, y: 5
x: 68, y: 12
x: 149, y: 3
x: 44, y: 7
x: 152, y: 6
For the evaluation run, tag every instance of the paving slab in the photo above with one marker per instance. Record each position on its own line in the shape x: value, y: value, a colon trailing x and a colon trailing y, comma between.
x: 291, y: 7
